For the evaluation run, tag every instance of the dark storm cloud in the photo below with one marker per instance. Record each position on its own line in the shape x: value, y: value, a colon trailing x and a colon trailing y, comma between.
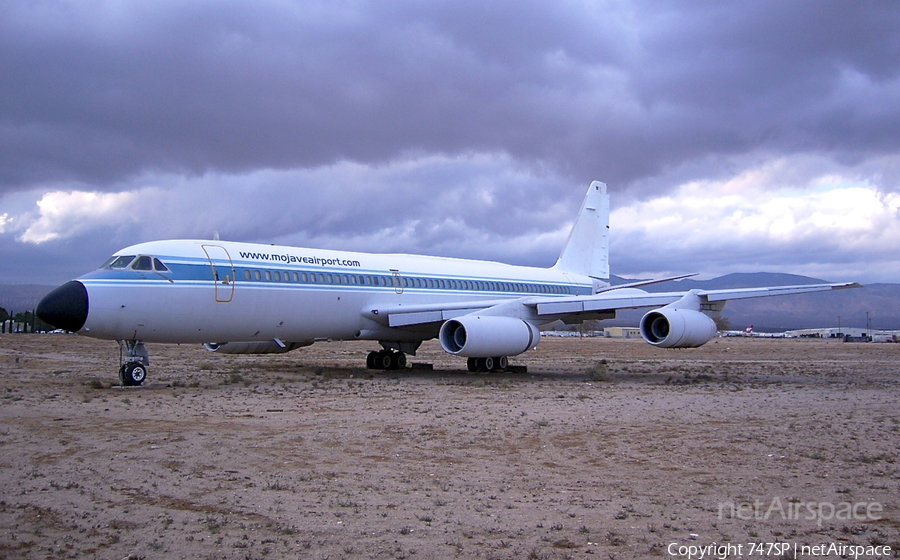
x: 100, y: 92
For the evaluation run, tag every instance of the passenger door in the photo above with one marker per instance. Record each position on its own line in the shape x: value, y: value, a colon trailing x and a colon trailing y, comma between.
x: 222, y: 272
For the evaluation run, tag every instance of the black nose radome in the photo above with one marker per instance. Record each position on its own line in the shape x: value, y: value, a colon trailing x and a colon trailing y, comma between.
x: 65, y: 307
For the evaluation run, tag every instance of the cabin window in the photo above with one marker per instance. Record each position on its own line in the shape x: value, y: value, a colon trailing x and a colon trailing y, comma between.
x: 330, y: 279
x: 277, y: 276
x: 248, y: 275
x: 257, y: 275
x: 268, y: 276
x: 143, y: 263
x: 121, y: 262
x: 304, y: 277
x: 337, y: 278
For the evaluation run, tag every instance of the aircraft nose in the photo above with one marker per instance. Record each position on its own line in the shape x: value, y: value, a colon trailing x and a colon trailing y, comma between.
x: 65, y: 307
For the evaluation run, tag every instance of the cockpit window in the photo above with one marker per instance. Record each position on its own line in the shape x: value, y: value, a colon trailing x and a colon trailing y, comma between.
x: 143, y: 263
x: 121, y: 262
x: 159, y: 266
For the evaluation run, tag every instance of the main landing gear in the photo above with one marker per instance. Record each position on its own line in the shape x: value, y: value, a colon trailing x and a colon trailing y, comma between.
x: 500, y: 363
x: 133, y: 370
x: 386, y: 359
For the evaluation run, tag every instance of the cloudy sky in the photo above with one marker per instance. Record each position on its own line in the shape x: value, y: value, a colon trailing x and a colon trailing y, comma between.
x: 734, y: 136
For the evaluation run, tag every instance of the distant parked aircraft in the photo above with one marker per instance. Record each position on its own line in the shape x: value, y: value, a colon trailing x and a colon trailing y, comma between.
x: 252, y: 298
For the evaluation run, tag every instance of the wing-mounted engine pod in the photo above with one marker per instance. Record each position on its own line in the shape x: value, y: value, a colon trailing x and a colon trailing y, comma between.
x: 267, y: 347
x: 478, y: 336
x: 677, y: 328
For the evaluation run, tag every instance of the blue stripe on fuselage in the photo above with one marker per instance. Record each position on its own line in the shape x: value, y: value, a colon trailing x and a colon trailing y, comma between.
x: 194, y: 271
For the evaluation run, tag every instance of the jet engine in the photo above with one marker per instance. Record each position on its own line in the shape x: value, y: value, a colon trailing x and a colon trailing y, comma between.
x: 677, y: 328
x: 478, y: 336
x: 267, y: 347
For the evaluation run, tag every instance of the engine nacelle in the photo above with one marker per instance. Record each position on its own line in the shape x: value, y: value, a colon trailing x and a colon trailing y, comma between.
x: 479, y: 336
x: 267, y: 347
x: 677, y: 328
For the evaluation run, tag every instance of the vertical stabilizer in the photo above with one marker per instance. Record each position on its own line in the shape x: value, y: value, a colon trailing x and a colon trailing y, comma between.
x: 587, y: 250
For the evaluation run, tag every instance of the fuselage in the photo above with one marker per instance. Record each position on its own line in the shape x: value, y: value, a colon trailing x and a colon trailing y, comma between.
x: 185, y: 291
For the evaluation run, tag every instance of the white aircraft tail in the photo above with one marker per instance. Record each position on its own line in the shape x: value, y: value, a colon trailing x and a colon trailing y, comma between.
x: 587, y: 250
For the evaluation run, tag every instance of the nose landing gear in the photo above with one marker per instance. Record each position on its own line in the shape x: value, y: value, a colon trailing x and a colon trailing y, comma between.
x: 133, y: 370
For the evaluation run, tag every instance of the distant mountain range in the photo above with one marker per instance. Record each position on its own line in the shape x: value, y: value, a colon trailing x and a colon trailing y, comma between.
x: 773, y: 314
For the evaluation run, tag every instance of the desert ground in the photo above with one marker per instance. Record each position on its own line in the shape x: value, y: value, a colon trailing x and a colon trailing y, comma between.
x: 604, y: 449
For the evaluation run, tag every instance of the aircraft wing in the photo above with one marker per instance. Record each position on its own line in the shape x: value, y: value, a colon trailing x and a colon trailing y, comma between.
x: 633, y: 299
x: 405, y: 315
x: 603, y: 305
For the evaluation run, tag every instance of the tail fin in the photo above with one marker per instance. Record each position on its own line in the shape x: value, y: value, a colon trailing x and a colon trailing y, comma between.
x: 587, y: 250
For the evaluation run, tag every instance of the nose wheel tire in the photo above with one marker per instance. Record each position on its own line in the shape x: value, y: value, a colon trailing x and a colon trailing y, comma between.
x: 132, y: 374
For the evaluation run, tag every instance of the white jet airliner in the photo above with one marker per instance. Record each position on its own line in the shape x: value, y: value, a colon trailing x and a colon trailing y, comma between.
x: 250, y: 298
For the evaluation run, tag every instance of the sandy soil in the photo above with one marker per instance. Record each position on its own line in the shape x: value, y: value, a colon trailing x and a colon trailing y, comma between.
x: 308, y: 455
